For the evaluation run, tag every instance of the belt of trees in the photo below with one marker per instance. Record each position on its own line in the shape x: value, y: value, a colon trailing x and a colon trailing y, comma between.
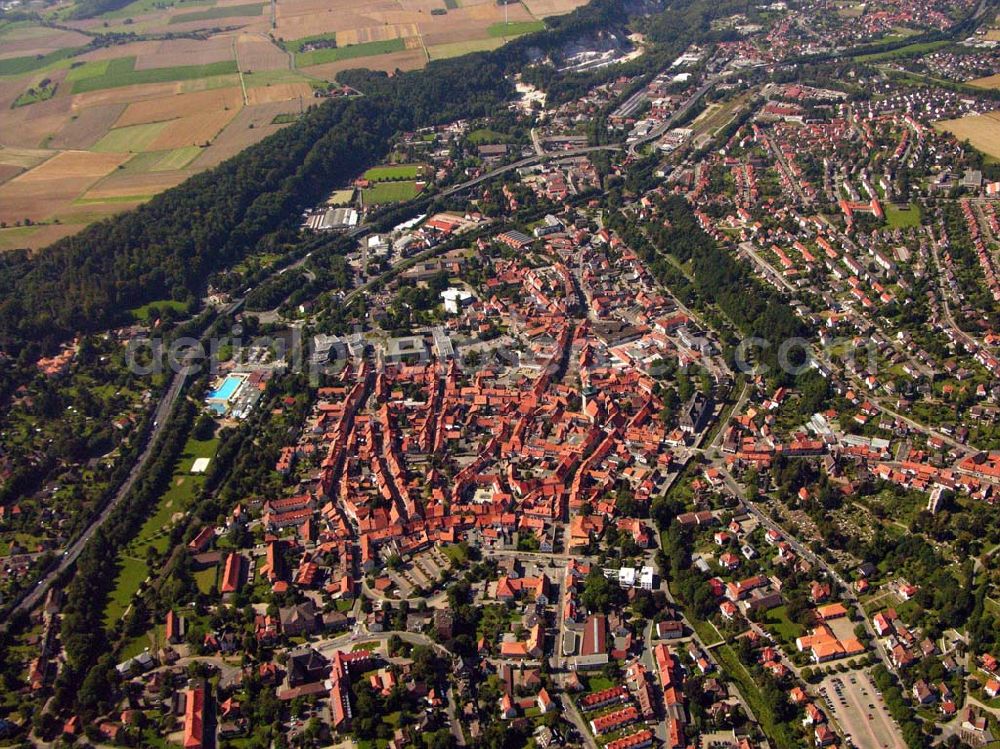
x: 88, y: 677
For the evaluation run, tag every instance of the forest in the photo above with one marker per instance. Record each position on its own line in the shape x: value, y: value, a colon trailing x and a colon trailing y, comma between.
x: 168, y: 247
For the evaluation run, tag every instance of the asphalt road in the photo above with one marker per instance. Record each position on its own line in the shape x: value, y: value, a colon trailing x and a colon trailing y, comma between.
x: 677, y: 116
x: 799, y: 548
x: 525, y: 162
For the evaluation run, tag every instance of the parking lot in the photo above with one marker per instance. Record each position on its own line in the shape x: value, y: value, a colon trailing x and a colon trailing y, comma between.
x: 860, y: 711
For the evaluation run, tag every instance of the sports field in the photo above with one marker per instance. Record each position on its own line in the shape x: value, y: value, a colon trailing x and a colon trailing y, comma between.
x: 389, y: 192
x: 394, y: 172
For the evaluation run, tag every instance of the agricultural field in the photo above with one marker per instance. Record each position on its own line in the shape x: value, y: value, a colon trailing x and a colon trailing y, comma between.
x: 992, y: 81
x: 219, y: 11
x: 457, y: 49
x: 88, y: 135
x: 519, y: 28
x: 121, y: 72
x: 91, y: 131
x: 351, y: 52
x: 981, y: 130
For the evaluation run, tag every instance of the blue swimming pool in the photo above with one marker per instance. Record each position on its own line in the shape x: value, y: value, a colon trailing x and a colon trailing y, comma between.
x: 225, y: 391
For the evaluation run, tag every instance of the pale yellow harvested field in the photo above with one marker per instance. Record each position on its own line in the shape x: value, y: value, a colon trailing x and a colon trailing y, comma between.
x: 126, y: 94
x: 195, y: 130
x: 409, y: 59
x: 260, y: 53
x: 485, y: 13
x: 50, y: 187
x: 238, y: 134
x: 293, y: 8
x: 300, y: 18
x: 545, y: 8
x: 992, y: 81
x: 375, y: 33
x: 187, y: 52
x: 423, y: 6
x: 25, y: 158
x: 181, y: 105
x: 993, y: 35
x: 280, y: 92
x: 468, y: 24
x: 73, y: 165
x: 87, y: 126
x: 132, y: 185
x: 982, y: 130
x: 456, y: 49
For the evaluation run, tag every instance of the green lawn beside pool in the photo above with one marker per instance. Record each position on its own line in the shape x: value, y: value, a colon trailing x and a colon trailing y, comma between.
x: 154, y: 532
x: 131, y: 573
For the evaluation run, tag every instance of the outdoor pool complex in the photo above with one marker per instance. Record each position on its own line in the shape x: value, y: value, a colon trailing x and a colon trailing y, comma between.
x: 225, y: 391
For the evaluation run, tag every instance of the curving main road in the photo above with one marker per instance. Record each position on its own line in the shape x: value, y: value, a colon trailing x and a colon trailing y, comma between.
x: 526, y: 162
